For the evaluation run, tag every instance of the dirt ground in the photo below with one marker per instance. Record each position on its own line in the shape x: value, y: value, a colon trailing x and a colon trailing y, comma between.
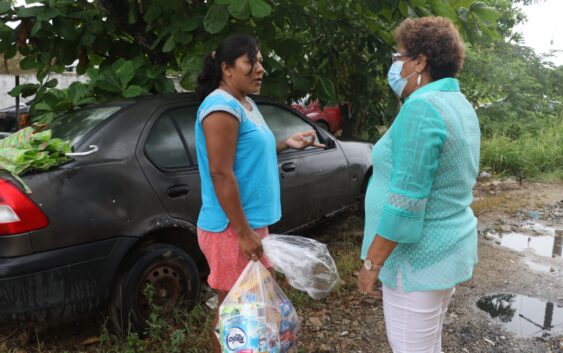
x: 355, y: 323
x: 349, y: 322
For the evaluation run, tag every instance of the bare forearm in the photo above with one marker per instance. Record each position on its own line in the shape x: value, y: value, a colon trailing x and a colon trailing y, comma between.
x: 227, y: 191
x: 380, y: 249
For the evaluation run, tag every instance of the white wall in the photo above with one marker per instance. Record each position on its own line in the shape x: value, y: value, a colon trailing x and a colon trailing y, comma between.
x: 8, y: 82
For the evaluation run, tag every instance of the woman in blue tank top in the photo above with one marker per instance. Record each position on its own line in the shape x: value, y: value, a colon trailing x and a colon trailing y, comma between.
x: 237, y: 157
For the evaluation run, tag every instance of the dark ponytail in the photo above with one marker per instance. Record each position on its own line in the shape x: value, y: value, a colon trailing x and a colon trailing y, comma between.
x: 209, y: 78
x: 228, y: 51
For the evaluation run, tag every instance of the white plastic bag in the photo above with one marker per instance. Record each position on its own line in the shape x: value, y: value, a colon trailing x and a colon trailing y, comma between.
x: 306, y: 263
x: 256, y: 316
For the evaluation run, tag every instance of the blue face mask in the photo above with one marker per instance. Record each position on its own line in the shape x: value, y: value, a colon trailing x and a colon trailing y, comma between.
x: 396, y: 81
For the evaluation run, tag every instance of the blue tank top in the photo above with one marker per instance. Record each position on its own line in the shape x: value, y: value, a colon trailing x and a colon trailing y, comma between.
x: 255, y: 166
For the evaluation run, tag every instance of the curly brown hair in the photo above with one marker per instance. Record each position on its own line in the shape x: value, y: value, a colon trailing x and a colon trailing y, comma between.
x: 437, y: 39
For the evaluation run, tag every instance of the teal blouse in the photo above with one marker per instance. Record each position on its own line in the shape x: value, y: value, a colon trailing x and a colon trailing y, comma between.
x: 424, y: 170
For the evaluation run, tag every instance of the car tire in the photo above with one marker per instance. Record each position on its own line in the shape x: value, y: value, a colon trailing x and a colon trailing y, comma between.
x: 173, y: 275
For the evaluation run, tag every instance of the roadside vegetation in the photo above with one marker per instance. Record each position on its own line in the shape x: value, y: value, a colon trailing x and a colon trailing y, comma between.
x: 518, y: 95
x: 534, y: 156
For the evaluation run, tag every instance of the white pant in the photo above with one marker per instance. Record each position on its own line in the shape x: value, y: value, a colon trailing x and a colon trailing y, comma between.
x: 414, y: 320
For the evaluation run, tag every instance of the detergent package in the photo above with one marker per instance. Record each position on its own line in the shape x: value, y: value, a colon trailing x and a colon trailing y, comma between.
x: 256, y: 316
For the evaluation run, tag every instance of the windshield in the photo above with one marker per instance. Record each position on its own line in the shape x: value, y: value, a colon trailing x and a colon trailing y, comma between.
x: 74, y: 125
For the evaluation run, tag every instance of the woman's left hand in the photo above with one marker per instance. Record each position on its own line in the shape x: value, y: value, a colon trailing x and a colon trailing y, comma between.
x: 302, y: 140
x: 366, y: 282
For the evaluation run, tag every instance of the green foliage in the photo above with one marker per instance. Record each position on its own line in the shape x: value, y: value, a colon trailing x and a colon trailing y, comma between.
x: 27, y: 150
x: 518, y: 96
x: 336, y: 50
x: 181, y: 332
x: 531, y: 155
x: 514, y: 90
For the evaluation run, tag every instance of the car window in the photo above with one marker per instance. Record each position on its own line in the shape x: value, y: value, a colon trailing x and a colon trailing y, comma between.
x: 185, y: 118
x: 283, y: 122
x: 164, y: 146
x: 74, y: 125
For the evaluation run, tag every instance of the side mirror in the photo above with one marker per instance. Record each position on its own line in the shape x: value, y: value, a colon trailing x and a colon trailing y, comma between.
x: 325, y: 139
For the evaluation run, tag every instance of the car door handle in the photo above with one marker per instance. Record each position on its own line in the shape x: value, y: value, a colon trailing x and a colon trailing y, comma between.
x: 288, y: 167
x: 178, y: 190
x: 92, y: 149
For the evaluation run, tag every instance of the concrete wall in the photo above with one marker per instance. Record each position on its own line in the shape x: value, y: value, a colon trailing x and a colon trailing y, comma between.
x: 8, y: 82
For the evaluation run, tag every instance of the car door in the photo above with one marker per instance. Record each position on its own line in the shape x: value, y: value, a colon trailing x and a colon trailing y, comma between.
x: 314, y: 182
x: 168, y: 158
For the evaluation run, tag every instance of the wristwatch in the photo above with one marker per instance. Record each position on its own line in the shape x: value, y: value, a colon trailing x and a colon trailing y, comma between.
x: 370, y: 266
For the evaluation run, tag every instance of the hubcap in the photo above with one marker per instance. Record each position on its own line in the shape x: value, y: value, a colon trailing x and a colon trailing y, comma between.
x: 170, y: 284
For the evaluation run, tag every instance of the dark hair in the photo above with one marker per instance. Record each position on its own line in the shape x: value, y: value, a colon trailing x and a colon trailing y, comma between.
x: 228, y: 51
x: 437, y: 39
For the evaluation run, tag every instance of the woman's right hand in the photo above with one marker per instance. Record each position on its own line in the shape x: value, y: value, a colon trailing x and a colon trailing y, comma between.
x: 250, y: 244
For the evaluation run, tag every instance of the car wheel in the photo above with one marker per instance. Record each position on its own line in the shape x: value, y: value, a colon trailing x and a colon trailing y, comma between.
x: 324, y: 125
x: 171, y: 272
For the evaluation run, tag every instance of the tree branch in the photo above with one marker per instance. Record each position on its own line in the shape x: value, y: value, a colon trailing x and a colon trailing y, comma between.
x: 117, y: 11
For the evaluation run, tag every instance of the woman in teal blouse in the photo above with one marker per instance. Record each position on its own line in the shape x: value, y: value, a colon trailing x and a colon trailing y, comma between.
x: 420, y: 236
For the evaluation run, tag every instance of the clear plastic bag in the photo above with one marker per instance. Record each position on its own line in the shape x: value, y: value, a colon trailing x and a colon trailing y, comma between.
x: 306, y: 263
x: 256, y: 316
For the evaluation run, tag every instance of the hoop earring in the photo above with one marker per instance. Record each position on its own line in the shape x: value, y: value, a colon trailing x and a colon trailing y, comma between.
x: 418, y: 79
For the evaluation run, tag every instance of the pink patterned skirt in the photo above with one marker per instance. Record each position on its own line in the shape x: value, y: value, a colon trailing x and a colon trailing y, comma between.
x: 226, y: 260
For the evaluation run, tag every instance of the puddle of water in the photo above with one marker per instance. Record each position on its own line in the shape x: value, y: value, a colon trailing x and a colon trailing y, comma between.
x: 548, y: 246
x: 524, y: 316
x: 539, y: 267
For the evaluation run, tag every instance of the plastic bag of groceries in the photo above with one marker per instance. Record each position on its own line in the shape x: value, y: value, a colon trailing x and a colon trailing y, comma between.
x: 256, y: 316
x: 306, y: 263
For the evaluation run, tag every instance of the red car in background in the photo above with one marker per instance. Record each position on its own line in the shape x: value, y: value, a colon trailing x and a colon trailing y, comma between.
x: 329, y: 118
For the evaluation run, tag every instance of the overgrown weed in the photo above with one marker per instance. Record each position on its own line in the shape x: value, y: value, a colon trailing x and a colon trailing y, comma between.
x: 532, y: 156
x: 178, y: 332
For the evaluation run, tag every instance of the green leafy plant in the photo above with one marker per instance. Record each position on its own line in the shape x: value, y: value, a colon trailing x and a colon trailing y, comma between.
x: 180, y: 332
x: 335, y: 50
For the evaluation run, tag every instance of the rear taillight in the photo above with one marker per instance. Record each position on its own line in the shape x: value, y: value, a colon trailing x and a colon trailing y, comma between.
x: 18, y: 213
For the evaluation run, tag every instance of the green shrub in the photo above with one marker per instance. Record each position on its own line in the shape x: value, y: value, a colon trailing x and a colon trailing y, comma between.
x: 530, y: 155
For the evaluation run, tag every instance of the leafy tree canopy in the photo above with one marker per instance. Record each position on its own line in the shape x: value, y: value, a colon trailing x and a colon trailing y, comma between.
x: 331, y: 49
x: 515, y: 90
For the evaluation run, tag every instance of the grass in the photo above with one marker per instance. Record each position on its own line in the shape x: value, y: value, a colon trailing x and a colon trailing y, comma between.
x: 182, y: 332
x: 535, y: 156
x: 348, y: 263
x: 550, y: 176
